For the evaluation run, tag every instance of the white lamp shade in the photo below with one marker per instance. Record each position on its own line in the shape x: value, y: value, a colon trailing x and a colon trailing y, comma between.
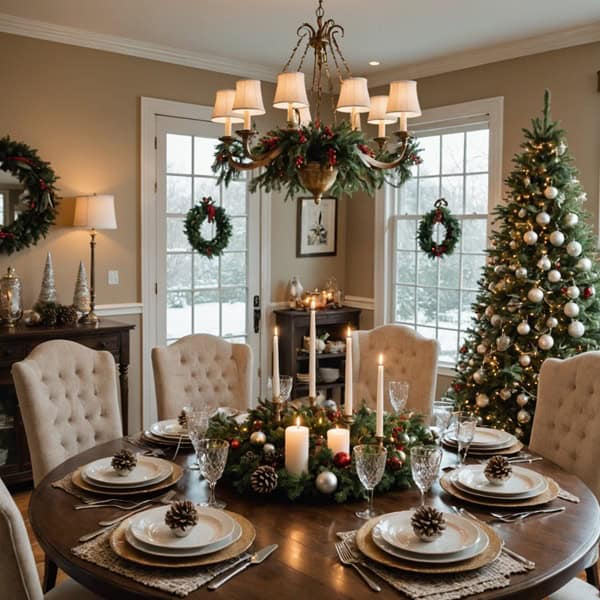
x: 403, y: 99
x: 223, y: 108
x: 248, y: 97
x: 378, y: 113
x: 354, y: 95
x: 95, y: 212
x: 291, y: 90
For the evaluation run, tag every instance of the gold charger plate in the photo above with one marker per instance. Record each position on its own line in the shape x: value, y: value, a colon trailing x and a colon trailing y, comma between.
x: 550, y: 494
x: 516, y: 447
x: 79, y: 482
x: 120, y: 546
x: 367, y: 546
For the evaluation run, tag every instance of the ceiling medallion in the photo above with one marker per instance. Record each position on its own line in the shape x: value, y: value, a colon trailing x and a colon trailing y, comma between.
x: 306, y: 154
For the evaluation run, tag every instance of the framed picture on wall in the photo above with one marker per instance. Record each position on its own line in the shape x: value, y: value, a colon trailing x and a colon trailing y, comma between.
x: 316, y: 228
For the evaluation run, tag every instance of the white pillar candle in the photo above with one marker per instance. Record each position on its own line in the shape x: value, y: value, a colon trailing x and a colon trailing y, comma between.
x: 379, y: 427
x: 296, y: 449
x: 276, y: 391
x: 381, y: 129
x: 338, y: 440
x: 348, y: 382
x: 312, y: 356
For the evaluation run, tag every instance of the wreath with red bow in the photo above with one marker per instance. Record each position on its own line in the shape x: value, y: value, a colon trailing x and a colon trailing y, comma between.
x: 36, y: 204
x: 196, y: 216
x: 440, y: 214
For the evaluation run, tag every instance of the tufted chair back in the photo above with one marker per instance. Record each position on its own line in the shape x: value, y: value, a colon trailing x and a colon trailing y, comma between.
x: 68, y: 400
x: 202, y: 367
x: 408, y: 356
x: 566, y: 427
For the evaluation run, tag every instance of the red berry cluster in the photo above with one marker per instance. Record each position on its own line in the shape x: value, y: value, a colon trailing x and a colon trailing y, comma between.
x: 301, y: 137
x: 366, y: 150
x: 331, y: 157
x: 327, y: 132
x: 270, y: 142
x: 299, y: 161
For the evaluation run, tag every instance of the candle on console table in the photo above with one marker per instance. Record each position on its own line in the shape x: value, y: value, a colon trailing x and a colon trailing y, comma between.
x: 379, y: 421
x: 338, y: 440
x: 348, y: 379
x: 275, y: 386
x: 312, y: 357
x: 296, y: 449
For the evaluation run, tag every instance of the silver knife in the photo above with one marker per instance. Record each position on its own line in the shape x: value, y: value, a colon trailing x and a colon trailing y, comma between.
x: 254, y: 559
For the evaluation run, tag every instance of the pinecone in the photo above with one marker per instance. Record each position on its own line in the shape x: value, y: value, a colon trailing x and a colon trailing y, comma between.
x: 249, y: 457
x: 497, y: 470
x: 182, y: 419
x: 428, y: 523
x: 66, y: 315
x: 181, y: 515
x: 123, y: 462
x: 47, y: 311
x: 264, y: 480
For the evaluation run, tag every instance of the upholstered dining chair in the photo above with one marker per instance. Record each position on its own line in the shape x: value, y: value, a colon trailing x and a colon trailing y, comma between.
x: 200, y: 367
x: 408, y: 356
x: 566, y: 430
x: 18, y: 574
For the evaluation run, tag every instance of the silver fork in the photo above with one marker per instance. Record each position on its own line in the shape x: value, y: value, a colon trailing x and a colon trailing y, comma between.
x: 512, y: 518
x: 347, y: 558
x: 114, y: 504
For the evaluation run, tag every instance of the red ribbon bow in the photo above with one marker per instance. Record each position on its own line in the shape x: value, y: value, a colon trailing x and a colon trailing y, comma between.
x: 211, y: 211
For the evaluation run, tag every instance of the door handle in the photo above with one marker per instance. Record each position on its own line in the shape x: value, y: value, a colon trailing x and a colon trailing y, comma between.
x: 256, y: 304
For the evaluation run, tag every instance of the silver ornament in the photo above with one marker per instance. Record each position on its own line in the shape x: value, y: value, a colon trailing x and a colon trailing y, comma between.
x: 557, y: 238
x: 519, y: 433
x: 576, y: 329
x: 584, y: 264
x: 523, y: 328
x: 522, y: 213
x: 496, y: 320
x: 551, y: 322
x: 542, y: 218
x: 513, y: 245
x: 522, y: 399
x: 521, y: 273
x: 545, y: 341
x: 482, y: 400
x: 523, y: 417
x: 530, y: 237
x: 503, y: 343
x: 505, y: 393
x: 329, y: 405
x: 573, y: 292
x: 550, y: 192
x: 524, y: 360
x: 269, y: 449
x: 535, y: 295
x: 570, y: 220
x: 489, y: 311
x: 258, y: 438
x: 471, y: 362
x: 571, y: 309
x: 554, y: 276
x: 544, y: 263
x: 326, y: 482
x: 479, y: 376
x: 574, y: 248
x: 499, y: 269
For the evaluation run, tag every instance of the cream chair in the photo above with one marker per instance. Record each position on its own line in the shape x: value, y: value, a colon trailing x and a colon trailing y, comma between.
x: 202, y: 367
x: 566, y: 429
x: 18, y: 574
x: 408, y: 356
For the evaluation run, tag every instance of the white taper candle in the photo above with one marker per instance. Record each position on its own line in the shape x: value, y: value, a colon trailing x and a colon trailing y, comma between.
x: 348, y: 379
x: 276, y: 391
x: 379, y: 427
x: 312, y: 356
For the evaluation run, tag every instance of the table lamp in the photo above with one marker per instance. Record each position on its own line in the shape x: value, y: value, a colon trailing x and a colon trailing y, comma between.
x: 94, y: 212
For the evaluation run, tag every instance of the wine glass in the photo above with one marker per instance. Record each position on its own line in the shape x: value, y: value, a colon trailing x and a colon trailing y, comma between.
x: 370, y: 466
x: 425, y: 464
x: 212, y: 455
x: 398, y: 392
x: 197, y: 425
x: 465, y: 431
x: 285, y: 387
x: 441, y: 416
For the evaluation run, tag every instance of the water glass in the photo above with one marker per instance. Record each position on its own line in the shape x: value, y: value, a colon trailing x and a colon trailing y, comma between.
x: 441, y: 416
x: 285, y: 387
x: 197, y: 425
x: 369, y: 460
x: 398, y: 392
x: 425, y: 464
x: 212, y: 455
x: 465, y: 431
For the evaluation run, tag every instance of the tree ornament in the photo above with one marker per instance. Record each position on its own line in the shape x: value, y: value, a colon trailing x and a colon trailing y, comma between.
x: 505, y: 393
x: 513, y: 245
x: 329, y: 405
x: 570, y: 220
x: 264, y: 479
x: 589, y: 291
x: 489, y: 311
x: 584, y: 264
x: 526, y: 181
x: 524, y: 360
x: 181, y: 517
x: 545, y: 341
x: 522, y: 399
x: 257, y: 425
x: 574, y: 248
x: 269, y: 450
x: 258, y: 438
x: 523, y: 328
x: 550, y: 192
x: 523, y: 417
x: 554, y: 276
x: 519, y: 433
x: 471, y: 362
x: 571, y: 309
x: 530, y: 237
x: 428, y: 523
x: 124, y: 462
x: 482, y: 400
x: 522, y: 213
x: 439, y: 215
x: 551, y: 322
x: 234, y: 444
x: 499, y: 269
x: 521, y: 273
x: 542, y: 218
x: 544, y: 263
x: 496, y: 321
x: 48, y: 291
x: 573, y: 292
x: 557, y: 238
x: 497, y: 470
x: 481, y: 349
x: 561, y: 148
x: 535, y: 295
x: 326, y: 482
x: 81, y: 295
x: 342, y: 460
x: 576, y: 329
x: 503, y: 343
x: 479, y: 376
x: 196, y: 216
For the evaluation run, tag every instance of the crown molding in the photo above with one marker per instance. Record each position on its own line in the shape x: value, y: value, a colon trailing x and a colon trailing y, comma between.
x: 475, y: 57
x: 121, y: 45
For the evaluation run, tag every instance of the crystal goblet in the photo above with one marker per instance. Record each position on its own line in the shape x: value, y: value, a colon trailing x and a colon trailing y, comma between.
x: 369, y: 460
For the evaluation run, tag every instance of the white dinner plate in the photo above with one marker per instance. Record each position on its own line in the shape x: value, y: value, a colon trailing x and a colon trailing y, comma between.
x: 213, y: 526
x: 236, y: 534
x: 132, y: 487
x: 488, y: 449
x: 169, y: 429
x: 149, y: 470
x: 459, y: 535
x: 476, y: 549
x: 524, y: 483
x: 485, y: 437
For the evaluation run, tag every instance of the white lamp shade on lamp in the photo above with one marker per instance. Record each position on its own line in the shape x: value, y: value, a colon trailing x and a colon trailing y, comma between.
x: 291, y: 90
x: 403, y: 100
x: 248, y: 97
x: 223, y: 108
x: 354, y: 96
x: 378, y: 113
x: 95, y: 212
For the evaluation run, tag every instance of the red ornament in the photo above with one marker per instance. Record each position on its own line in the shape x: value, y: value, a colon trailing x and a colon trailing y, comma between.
x: 257, y: 425
x: 235, y: 444
x: 463, y: 350
x: 457, y: 387
x: 394, y: 463
x: 588, y: 292
x: 342, y: 460
x: 334, y: 415
x: 563, y: 289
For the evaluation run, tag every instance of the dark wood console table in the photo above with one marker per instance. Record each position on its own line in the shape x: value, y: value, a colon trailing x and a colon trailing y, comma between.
x: 15, y: 344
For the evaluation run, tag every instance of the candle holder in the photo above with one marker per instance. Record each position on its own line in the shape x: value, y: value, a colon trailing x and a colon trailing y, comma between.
x: 348, y: 421
x: 312, y: 401
x: 379, y: 439
x: 277, y: 406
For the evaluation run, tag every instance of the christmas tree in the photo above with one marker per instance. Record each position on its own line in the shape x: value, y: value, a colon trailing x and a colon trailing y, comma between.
x: 537, y: 295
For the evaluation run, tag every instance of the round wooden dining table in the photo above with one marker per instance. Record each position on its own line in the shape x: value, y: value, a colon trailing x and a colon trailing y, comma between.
x: 305, y: 564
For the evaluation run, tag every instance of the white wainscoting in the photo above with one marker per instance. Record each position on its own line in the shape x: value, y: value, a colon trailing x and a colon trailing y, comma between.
x: 115, y: 310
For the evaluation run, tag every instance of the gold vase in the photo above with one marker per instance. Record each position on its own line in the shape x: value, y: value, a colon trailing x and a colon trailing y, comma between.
x: 317, y: 179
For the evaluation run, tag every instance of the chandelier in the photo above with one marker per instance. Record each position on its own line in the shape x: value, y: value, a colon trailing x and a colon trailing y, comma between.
x: 306, y: 154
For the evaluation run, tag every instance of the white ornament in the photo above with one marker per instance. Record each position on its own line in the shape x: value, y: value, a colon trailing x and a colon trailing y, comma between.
x: 471, y: 362
x: 554, y: 276
x: 522, y: 213
x: 573, y: 292
x: 521, y: 273
x: 523, y: 417
x: 576, y: 329
x: 505, y: 393
x: 550, y: 192
x: 535, y: 295
x: 503, y: 343
x: 557, y: 238
x: 551, y: 322
x: 561, y: 148
x: 491, y: 286
x: 542, y: 218
x: 523, y: 328
x: 571, y: 309
x: 574, y: 248
x: 544, y: 263
x: 570, y: 220
x: 326, y: 482
x: 530, y: 237
x: 524, y: 360
x: 513, y: 245
x: 546, y: 341
x: 481, y: 349
x: 482, y: 400
x: 496, y: 320
x: 489, y: 311
x: 522, y: 399
x: 584, y: 264
x: 499, y: 269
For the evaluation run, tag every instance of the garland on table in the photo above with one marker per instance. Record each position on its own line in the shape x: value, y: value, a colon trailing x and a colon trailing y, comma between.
x: 440, y: 214
x: 38, y: 211
x: 256, y: 461
x: 207, y: 211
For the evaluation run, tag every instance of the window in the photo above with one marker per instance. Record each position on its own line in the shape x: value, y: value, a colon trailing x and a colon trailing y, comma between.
x: 434, y: 296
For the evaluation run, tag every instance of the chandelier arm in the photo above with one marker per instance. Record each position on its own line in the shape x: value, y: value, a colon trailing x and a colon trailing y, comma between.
x: 301, y: 36
x: 370, y: 161
x: 261, y: 161
x: 333, y: 33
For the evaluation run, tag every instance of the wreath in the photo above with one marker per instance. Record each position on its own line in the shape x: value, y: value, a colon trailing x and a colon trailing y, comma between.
x: 440, y: 214
x: 207, y: 211
x: 38, y: 200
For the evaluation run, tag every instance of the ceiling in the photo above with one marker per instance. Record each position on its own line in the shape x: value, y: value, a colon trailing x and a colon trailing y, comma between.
x: 261, y: 33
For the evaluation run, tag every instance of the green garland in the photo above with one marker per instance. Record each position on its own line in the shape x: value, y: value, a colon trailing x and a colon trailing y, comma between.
x: 440, y: 214
x: 338, y: 146
x: 400, y: 433
x: 39, y: 197
x: 207, y: 210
